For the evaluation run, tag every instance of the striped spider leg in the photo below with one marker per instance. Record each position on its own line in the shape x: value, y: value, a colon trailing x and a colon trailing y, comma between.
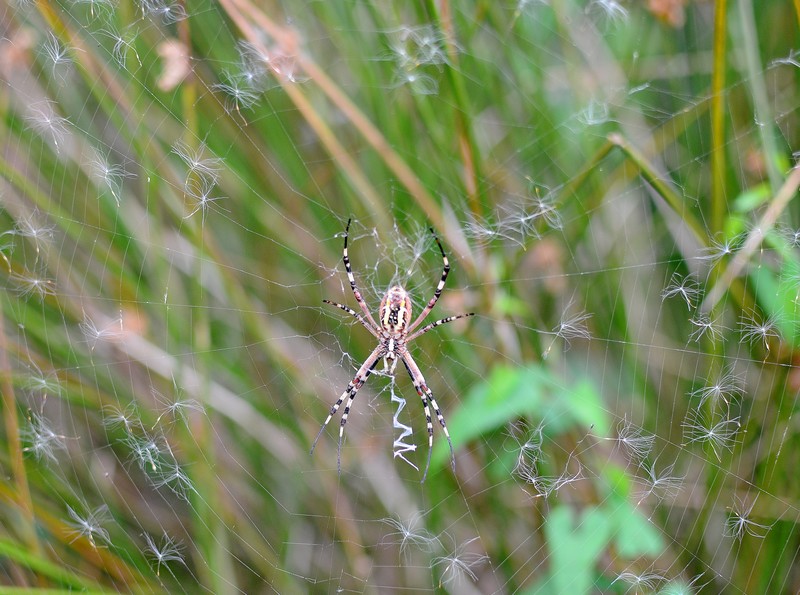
x: 350, y: 392
x: 393, y: 333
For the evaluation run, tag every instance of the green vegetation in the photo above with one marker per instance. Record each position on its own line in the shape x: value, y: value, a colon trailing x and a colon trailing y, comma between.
x: 614, y: 185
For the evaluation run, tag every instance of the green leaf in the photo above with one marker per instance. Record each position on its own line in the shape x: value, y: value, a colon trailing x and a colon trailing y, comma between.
x: 634, y: 535
x: 778, y: 295
x: 752, y: 198
x: 511, y: 393
x: 576, y: 542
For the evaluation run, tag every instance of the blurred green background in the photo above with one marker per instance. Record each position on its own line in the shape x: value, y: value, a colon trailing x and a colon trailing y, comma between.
x: 613, y: 183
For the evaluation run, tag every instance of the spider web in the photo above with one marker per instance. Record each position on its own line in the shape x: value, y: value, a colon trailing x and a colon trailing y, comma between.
x: 621, y: 405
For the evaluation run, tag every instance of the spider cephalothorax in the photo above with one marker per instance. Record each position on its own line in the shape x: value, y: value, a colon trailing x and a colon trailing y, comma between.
x: 393, y: 333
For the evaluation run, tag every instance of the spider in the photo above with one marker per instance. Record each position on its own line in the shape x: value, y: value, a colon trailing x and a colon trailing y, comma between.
x: 394, y: 332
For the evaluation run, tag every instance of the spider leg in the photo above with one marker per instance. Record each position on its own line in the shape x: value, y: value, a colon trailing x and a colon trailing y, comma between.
x: 427, y: 401
x: 352, y: 279
x: 433, y: 325
x: 350, y: 392
x: 356, y: 315
x: 439, y: 287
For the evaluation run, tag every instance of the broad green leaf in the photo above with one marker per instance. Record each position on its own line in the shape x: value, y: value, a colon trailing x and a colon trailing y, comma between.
x: 533, y: 392
x: 752, y: 198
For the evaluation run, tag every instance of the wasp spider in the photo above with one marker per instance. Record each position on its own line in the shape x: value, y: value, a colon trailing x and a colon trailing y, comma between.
x: 394, y: 332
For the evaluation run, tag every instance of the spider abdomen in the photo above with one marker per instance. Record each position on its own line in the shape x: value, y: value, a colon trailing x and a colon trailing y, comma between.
x: 395, y: 312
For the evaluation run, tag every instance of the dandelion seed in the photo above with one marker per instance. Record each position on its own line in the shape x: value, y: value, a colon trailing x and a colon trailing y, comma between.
x: 172, y: 476
x: 163, y: 11
x: 39, y: 382
x: 573, y: 327
x: 420, y: 83
x: 719, y: 249
x: 169, y: 550
x: 528, y: 472
x: 530, y: 452
x: 128, y: 418
x: 569, y: 328
x: 177, y: 409
x: 207, y: 167
x: 280, y: 60
x: 109, y: 175
x: 239, y: 94
x: 521, y: 219
x: 29, y: 284
x: 409, y: 534
x: 719, y: 432
x: 44, y: 120
x: 42, y: 440
x: 791, y: 235
x: 738, y: 523
x: 458, y: 565
x: 705, y: 327
x: 753, y: 331
x: 542, y: 207
x: 483, y: 231
x: 429, y: 42
x: 30, y: 227
x: 660, y: 485
x: 252, y: 54
x: 57, y: 54
x: 94, y: 335
x: 123, y: 45
x: 727, y: 387
x: 147, y: 451
x: 646, y: 581
x: 253, y: 65
x: 285, y: 67
x: 90, y: 526
x: 637, y: 444
x: 686, y: 288
x: 199, y: 191
x: 92, y: 3
x: 546, y: 486
x: 610, y: 10
x: 412, y: 47
x: 480, y: 230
